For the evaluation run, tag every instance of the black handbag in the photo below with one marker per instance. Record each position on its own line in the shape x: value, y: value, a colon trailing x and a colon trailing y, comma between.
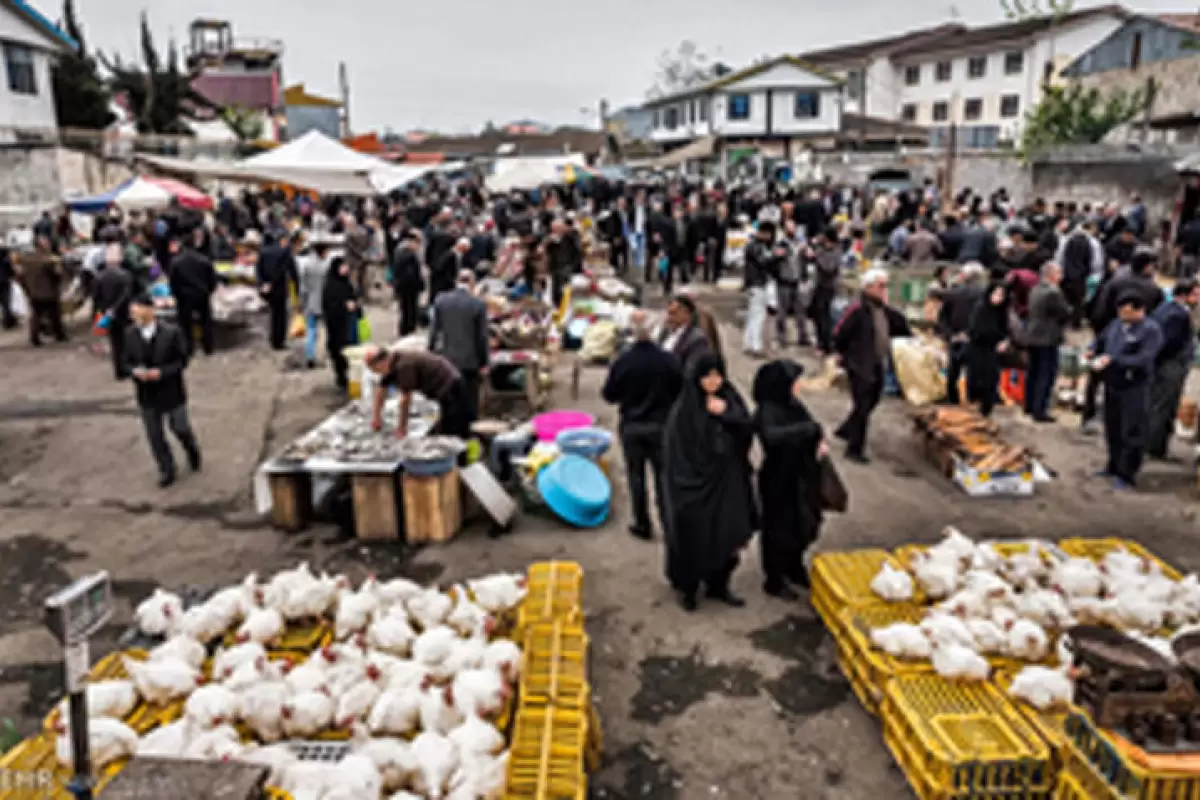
x: 834, y: 496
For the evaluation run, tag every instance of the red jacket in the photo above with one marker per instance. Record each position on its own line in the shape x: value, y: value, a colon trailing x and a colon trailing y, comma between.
x: 1020, y: 285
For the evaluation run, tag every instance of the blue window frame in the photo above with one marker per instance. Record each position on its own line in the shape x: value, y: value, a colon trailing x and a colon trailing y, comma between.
x: 739, y: 106
x: 808, y: 105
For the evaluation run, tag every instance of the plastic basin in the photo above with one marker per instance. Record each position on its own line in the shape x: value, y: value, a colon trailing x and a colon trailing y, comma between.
x: 549, y: 425
x: 586, y: 442
x: 576, y: 490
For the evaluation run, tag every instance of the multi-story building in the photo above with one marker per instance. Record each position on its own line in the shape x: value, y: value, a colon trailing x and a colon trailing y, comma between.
x: 1163, y: 50
x: 238, y: 72
x: 29, y: 43
x: 982, y: 79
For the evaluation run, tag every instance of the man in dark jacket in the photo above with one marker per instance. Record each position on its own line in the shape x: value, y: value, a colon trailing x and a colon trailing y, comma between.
x: 193, y: 281
x: 1172, y: 365
x: 155, y: 356
x: 660, y: 240
x: 8, y: 320
x: 826, y: 275
x: 443, y: 273
x: 439, y: 240
x: 407, y: 281
x: 276, y: 273
x: 1049, y: 313
x: 41, y: 273
x: 1126, y: 352
x: 863, y: 341
x: 644, y: 383
x: 954, y: 322
x: 951, y: 238
x: 1080, y: 256
x: 979, y: 243
x: 762, y: 265
x: 112, y: 292
x: 459, y: 331
x: 682, y: 335
x: 1187, y: 247
x: 563, y: 257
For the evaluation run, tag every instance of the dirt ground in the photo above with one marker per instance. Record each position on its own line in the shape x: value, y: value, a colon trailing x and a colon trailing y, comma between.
x: 722, y: 703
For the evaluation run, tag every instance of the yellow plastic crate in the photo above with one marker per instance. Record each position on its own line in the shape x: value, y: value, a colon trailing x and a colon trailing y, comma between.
x: 958, y: 740
x: 1049, y: 724
x: 1122, y: 774
x: 110, y: 668
x: 1097, y: 549
x: 842, y: 580
x: 554, y: 671
x: 272, y: 793
x: 1078, y: 781
x: 546, y: 761
x: 297, y: 639
x: 868, y: 669
x: 554, y: 591
x: 34, y: 760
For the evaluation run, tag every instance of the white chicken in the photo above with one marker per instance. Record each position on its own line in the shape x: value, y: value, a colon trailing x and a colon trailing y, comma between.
x: 357, y: 778
x: 429, y: 609
x: 892, y: 584
x: 956, y: 662
x: 433, y: 647
x: 309, y: 676
x: 282, y: 584
x: 252, y: 673
x: 159, y: 682
x: 468, y: 618
x: 112, y: 699
x: 397, y: 591
x: 396, y: 713
x: 216, y: 744
x: 936, y: 574
x: 277, y: 757
x: 307, y: 714
x: 475, y: 737
x: 465, y: 654
x: 233, y: 603
x: 108, y: 740
x: 437, y: 758
x: 1027, y: 641
x: 954, y: 543
x: 205, y: 622
x: 354, y: 610
x: 989, y: 637
x: 159, y: 614
x: 1134, y: 611
x: 479, y: 692
x: 500, y: 593
x: 407, y: 675
x: 1047, y: 608
x: 479, y: 778
x: 181, y: 648
x: 943, y: 628
x: 987, y: 558
x: 168, y: 741
x: 228, y: 659
x: 392, y: 632
x: 261, y: 709
x: 355, y: 703
x: 1077, y: 578
x: 1044, y: 688
x: 392, y: 757
x: 902, y: 640
x: 262, y: 625
x: 1022, y: 567
x: 212, y: 706
x: 438, y: 712
x: 309, y: 598
x: 504, y: 656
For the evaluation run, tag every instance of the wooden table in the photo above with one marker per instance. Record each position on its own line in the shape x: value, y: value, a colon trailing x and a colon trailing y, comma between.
x: 531, y: 392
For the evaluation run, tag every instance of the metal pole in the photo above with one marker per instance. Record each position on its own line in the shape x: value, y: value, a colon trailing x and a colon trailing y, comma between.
x: 81, y: 783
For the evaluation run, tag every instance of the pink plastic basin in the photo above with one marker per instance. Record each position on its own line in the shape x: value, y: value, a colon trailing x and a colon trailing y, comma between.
x: 549, y: 425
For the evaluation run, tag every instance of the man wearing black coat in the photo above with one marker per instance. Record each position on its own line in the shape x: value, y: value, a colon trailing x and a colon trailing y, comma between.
x: 193, y: 281
x: 660, y: 239
x: 112, y: 292
x: 276, y: 272
x: 954, y: 321
x: 155, y: 357
x: 8, y: 320
x: 863, y: 343
x: 407, y: 281
x: 644, y: 383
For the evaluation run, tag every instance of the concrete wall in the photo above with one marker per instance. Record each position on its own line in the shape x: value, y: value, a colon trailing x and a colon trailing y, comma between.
x: 1177, y: 87
x: 31, y: 184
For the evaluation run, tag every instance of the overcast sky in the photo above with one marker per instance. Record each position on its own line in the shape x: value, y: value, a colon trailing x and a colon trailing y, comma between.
x: 454, y: 66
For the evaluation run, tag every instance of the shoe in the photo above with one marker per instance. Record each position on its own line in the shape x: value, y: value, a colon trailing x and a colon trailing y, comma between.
x: 1102, y: 473
x: 640, y: 533
x: 1088, y: 428
x: 688, y: 602
x: 857, y: 458
x: 841, y: 433
x: 166, y: 480
x: 784, y: 592
x: 1045, y: 418
x: 310, y: 363
x: 195, y: 461
x: 1122, y: 485
x: 727, y: 597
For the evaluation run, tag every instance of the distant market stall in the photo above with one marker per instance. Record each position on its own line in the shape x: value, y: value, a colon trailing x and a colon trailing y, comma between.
x: 143, y: 193
x: 316, y: 162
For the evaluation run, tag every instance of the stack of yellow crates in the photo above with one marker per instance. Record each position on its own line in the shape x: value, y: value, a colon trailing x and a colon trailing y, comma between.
x: 555, y: 738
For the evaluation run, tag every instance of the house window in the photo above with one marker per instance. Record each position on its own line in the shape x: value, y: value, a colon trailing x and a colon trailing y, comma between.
x: 972, y: 109
x: 808, y: 105
x: 908, y: 112
x: 703, y: 103
x: 981, y: 137
x: 739, y: 106
x: 977, y: 67
x: 912, y: 74
x: 1014, y: 62
x: 944, y: 71
x: 1010, y: 106
x: 854, y: 84
x: 657, y: 119
x: 18, y: 63
x: 691, y: 112
x: 941, y: 111
x: 672, y: 118
x: 1135, y: 51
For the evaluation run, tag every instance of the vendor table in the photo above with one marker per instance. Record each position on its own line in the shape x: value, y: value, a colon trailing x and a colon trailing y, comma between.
x: 531, y: 390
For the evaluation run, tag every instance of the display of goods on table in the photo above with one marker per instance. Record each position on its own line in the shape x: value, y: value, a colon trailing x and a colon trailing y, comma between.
x: 967, y: 448
x: 1042, y: 633
x: 347, y: 437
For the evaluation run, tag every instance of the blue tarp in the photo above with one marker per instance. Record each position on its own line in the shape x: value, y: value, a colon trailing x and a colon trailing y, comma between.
x: 100, y: 202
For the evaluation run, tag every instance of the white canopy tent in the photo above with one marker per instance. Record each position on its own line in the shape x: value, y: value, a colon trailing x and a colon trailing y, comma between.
x: 529, y: 172
x: 314, y: 161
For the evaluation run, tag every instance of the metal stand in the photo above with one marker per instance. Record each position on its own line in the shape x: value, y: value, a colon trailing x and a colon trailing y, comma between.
x: 81, y: 783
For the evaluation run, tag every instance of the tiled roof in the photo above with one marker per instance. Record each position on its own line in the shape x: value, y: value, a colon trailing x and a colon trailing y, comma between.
x: 256, y: 92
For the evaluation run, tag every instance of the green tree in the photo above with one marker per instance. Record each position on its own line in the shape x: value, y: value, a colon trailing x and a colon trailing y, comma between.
x: 80, y: 97
x: 1074, y: 115
x: 683, y: 68
x: 245, y: 123
x: 1029, y: 9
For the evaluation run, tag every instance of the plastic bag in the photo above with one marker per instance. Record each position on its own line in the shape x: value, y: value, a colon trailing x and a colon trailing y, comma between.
x: 918, y: 367
x: 17, y: 302
x: 297, y: 329
x: 599, y: 342
x: 364, y: 330
x: 772, y: 296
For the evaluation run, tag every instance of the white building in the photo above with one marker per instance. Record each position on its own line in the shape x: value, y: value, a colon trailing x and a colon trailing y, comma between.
x: 777, y: 101
x: 29, y: 43
x: 983, y: 79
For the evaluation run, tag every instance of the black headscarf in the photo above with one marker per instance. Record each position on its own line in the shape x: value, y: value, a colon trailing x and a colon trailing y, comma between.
x: 337, y: 292
x: 709, y: 500
x: 990, y: 322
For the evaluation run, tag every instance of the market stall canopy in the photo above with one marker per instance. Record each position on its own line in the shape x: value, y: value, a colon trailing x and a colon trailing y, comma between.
x: 194, y: 168
x: 141, y: 194
x: 529, y: 173
x: 314, y: 161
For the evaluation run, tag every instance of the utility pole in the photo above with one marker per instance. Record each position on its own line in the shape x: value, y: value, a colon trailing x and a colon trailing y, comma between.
x: 951, y: 165
x: 344, y: 86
